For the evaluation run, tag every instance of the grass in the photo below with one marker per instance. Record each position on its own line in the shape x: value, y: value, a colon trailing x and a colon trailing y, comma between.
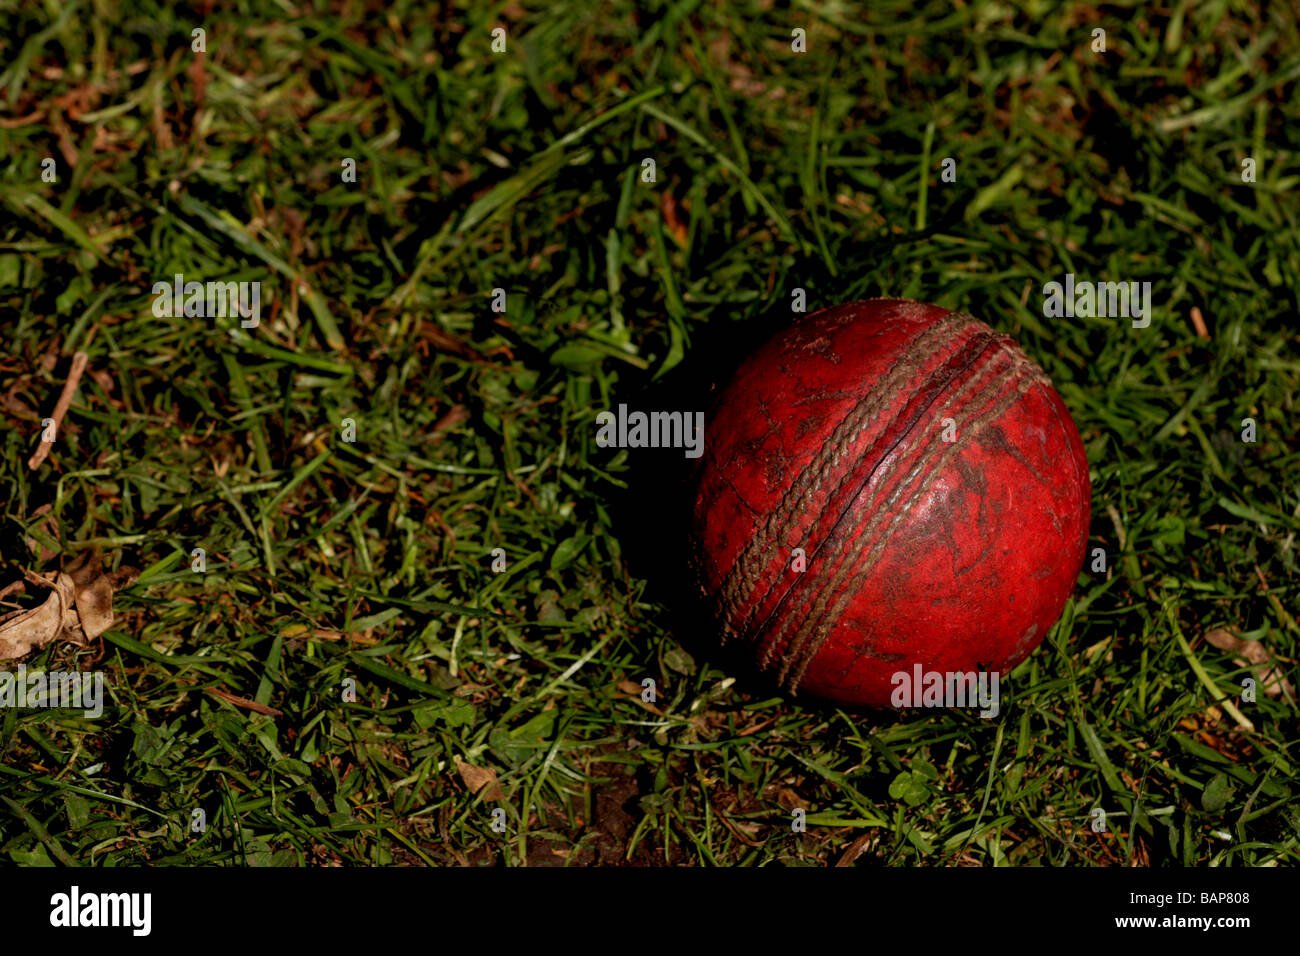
x: 367, y: 566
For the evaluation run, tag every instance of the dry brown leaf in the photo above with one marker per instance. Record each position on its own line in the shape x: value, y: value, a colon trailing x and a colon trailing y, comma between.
x: 855, y: 850
x: 25, y: 631
x: 787, y: 797
x: 80, y: 606
x: 480, y: 780
x: 633, y: 689
x: 456, y: 415
x: 92, y: 594
x: 1255, y: 655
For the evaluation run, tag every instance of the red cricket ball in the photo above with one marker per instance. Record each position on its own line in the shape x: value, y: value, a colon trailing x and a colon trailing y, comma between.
x: 923, y: 473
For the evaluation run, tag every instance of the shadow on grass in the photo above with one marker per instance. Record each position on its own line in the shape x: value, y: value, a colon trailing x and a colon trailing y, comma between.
x: 652, y: 515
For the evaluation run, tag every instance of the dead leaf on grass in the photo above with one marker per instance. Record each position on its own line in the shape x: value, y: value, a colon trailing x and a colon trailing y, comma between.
x: 1255, y: 655
x: 855, y: 849
x: 634, y: 690
x: 80, y: 607
x: 480, y: 780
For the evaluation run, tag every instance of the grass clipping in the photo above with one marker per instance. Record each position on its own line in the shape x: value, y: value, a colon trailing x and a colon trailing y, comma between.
x: 80, y: 607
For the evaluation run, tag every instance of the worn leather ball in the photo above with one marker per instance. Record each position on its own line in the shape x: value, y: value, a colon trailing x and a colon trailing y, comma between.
x: 885, y: 484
